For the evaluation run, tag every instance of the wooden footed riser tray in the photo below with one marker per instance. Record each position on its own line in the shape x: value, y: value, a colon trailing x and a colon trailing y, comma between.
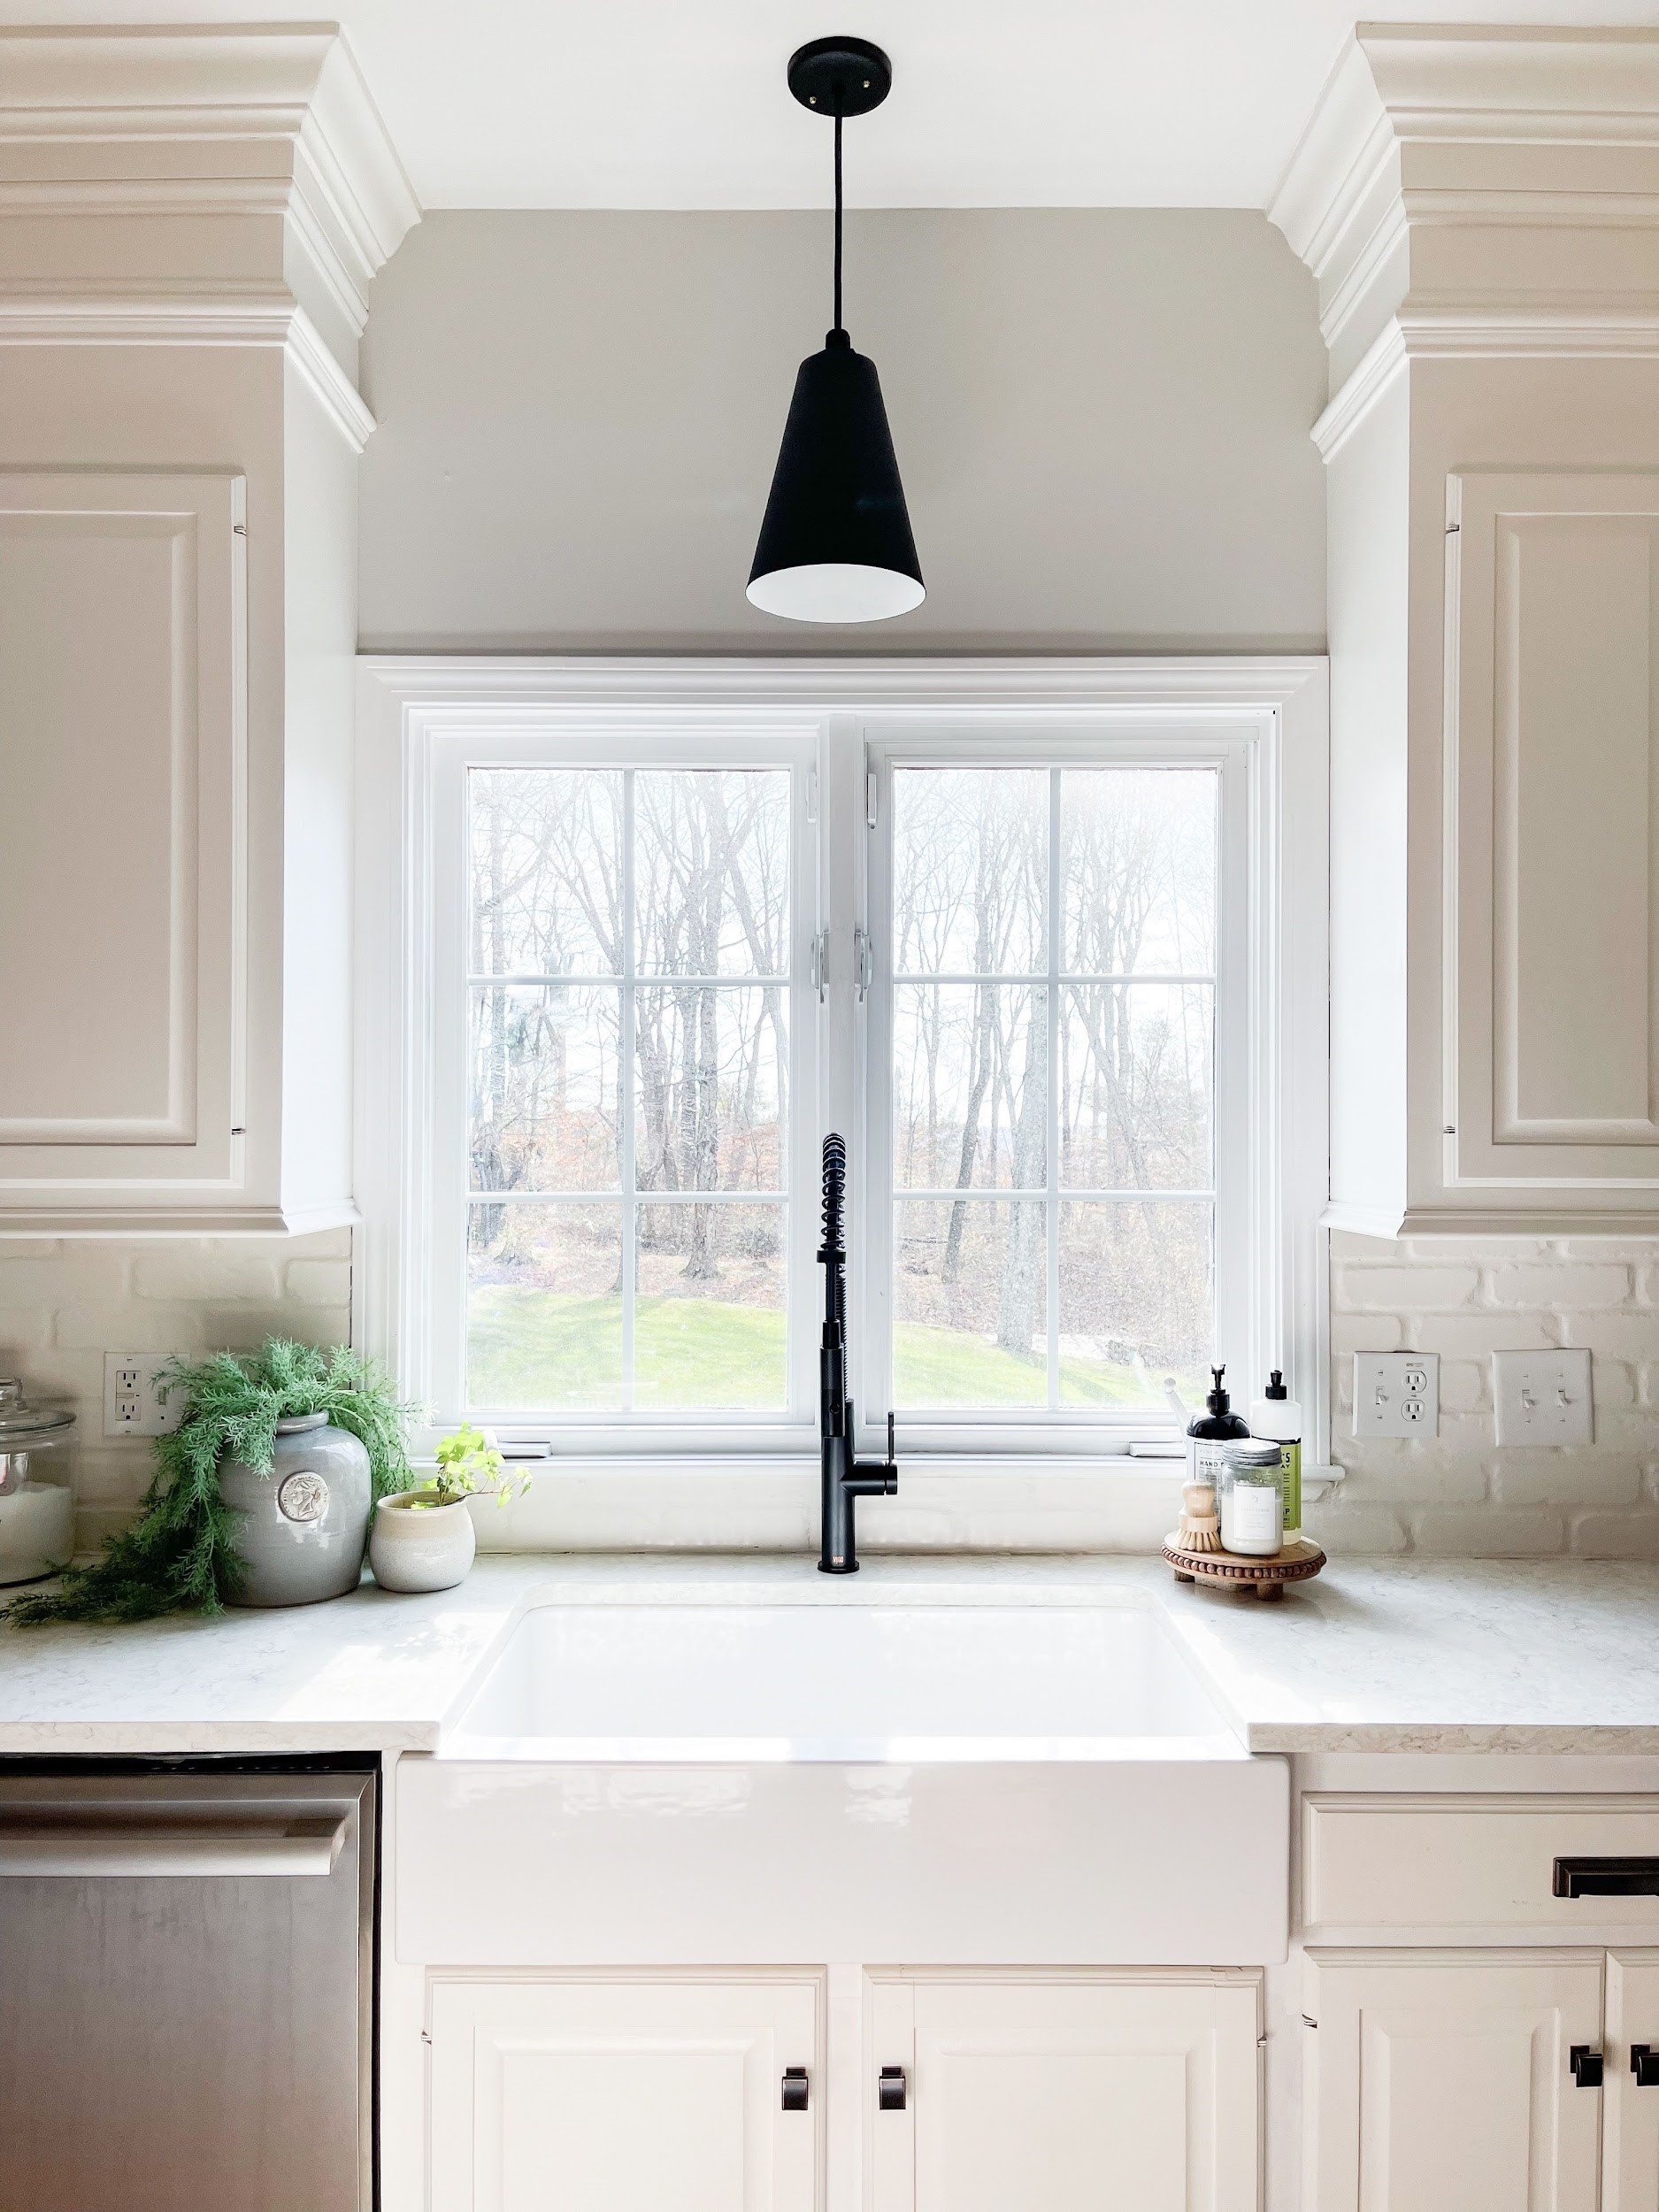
x: 1269, y: 1579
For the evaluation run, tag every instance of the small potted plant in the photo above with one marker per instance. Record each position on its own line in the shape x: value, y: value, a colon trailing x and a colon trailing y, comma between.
x: 261, y: 1496
x: 424, y: 1538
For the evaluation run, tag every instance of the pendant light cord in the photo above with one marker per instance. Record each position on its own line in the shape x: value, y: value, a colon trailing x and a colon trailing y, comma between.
x: 838, y: 222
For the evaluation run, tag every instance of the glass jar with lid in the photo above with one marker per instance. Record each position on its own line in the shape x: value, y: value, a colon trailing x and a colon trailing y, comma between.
x: 37, y: 1485
x: 1250, y: 1495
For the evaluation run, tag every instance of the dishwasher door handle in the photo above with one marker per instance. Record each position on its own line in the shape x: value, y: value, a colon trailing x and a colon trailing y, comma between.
x: 88, y: 1848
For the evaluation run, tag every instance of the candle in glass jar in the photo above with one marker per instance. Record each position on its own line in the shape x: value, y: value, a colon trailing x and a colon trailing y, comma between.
x: 1251, y: 1494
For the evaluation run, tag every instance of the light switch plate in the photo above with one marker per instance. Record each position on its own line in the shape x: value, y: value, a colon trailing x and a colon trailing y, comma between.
x: 131, y: 1405
x: 1396, y: 1394
x: 1543, y: 1397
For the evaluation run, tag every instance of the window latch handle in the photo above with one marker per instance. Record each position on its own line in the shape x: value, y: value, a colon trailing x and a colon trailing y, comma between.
x: 820, y: 964
x: 863, y: 964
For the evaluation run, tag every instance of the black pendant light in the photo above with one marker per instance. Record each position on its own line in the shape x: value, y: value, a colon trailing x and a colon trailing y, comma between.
x: 835, y: 545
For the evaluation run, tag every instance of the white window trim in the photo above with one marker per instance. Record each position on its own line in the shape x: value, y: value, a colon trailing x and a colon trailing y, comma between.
x: 1266, y: 716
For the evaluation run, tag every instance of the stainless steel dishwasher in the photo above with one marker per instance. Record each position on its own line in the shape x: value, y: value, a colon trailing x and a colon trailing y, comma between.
x: 187, y: 1971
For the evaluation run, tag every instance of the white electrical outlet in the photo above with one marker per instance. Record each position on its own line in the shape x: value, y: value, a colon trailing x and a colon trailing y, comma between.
x: 132, y: 1404
x: 1396, y: 1394
x: 1542, y: 1397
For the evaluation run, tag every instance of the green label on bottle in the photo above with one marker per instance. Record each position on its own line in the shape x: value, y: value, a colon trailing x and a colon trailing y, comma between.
x: 1290, y: 1478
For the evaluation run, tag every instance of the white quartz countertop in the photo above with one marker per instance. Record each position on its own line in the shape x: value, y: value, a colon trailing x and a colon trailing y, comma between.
x: 1380, y: 1656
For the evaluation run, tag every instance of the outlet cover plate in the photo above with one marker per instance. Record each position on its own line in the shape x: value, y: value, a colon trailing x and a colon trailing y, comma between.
x: 1396, y: 1394
x: 131, y: 1405
x: 1543, y: 1397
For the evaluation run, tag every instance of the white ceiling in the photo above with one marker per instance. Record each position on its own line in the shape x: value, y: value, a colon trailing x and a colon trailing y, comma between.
x: 679, y: 104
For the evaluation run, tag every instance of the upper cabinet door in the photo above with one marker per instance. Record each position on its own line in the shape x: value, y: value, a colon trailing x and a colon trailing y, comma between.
x: 1444, y: 2082
x: 660, y: 2095
x: 1067, y: 2093
x: 1552, y: 761
x: 122, y: 696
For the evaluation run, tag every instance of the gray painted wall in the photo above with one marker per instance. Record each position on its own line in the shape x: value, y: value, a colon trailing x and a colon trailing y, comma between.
x: 1102, y: 416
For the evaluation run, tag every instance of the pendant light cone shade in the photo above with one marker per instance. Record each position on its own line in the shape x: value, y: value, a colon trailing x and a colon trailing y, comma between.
x: 835, y: 545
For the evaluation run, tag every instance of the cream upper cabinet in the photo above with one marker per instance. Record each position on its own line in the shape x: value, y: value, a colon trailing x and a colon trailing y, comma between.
x: 1066, y: 2092
x: 625, y: 2096
x: 175, y: 844
x: 193, y: 222
x: 1444, y: 2082
x: 1552, y: 780
x: 123, y: 740
x: 1463, y: 199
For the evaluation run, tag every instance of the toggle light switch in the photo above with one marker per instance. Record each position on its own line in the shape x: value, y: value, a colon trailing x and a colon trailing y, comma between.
x: 1543, y: 1397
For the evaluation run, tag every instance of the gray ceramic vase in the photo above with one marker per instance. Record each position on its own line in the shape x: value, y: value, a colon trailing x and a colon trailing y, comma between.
x: 305, y: 1524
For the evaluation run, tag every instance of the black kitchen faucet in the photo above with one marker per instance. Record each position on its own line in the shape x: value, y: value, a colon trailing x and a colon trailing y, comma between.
x: 845, y: 1478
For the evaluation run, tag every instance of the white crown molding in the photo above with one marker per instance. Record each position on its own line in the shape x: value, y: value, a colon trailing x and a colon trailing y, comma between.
x: 1384, y: 361
x: 1524, y: 332
x: 246, y: 121
x: 1422, y: 129
x: 203, y: 318
x: 1400, y: 83
x: 1345, y: 148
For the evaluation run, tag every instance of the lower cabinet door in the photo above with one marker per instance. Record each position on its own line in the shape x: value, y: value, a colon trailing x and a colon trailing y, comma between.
x: 1629, y: 2142
x: 1066, y: 2094
x: 660, y: 2095
x: 1444, y: 2081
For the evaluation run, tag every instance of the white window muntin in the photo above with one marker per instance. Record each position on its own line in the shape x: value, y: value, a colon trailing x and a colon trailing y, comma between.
x: 609, y: 746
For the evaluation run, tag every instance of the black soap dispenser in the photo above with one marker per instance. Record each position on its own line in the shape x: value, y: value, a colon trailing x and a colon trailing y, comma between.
x: 1209, y: 1433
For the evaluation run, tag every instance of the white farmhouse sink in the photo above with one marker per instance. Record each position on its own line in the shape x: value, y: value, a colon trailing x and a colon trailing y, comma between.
x: 912, y: 1683
x: 657, y: 1784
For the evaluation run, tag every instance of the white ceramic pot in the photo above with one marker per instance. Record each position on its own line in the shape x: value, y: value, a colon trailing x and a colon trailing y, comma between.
x: 415, y: 1545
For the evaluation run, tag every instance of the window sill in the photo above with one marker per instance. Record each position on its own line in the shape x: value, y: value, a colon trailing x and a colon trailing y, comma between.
x: 1102, y: 1504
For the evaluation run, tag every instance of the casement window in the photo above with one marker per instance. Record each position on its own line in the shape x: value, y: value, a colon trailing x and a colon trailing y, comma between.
x: 1030, y: 946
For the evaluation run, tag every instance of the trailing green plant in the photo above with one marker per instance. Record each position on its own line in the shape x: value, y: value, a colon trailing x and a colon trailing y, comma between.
x: 180, y: 1556
x: 468, y: 1461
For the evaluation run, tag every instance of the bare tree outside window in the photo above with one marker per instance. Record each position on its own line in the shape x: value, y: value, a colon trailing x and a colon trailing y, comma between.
x: 629, y: 956
x: 1053, y: 1032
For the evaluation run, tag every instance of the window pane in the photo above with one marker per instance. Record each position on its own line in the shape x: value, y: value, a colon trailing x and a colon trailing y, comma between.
x: 970, y: 871
x: 970, y: 1304
x: 711, y: 1087
x: 544, y: 1306
x: 711, y: 872
x: 1135, y: 1085
x: 970, y: 1085
x: 547, y: 870
x: 1135, y: 1302
x: 544, y: 1103
x: 709, y: 1325
x: 1138, y: 871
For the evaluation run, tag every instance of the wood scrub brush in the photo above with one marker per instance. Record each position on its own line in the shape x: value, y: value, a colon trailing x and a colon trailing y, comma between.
x: 1200, y: 1530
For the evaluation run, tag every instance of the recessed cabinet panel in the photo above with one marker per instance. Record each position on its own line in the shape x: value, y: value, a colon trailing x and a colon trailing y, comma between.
x: 644, y: 2096
x: 1069, y: 2093
x: 1630, y: 2147
x: 1553, y: 825
x: 1443, y: 2082
x: 121, y: 613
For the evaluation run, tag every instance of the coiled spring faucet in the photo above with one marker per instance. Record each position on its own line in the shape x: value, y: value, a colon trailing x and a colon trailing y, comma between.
x: 844, y: 1478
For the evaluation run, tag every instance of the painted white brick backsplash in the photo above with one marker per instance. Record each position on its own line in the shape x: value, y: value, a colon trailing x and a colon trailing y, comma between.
x: 1458, y: 1493
x: 63, y: 1305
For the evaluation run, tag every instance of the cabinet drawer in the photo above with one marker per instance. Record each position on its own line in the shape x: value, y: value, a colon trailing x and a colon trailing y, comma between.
x: 1439, y: 1862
